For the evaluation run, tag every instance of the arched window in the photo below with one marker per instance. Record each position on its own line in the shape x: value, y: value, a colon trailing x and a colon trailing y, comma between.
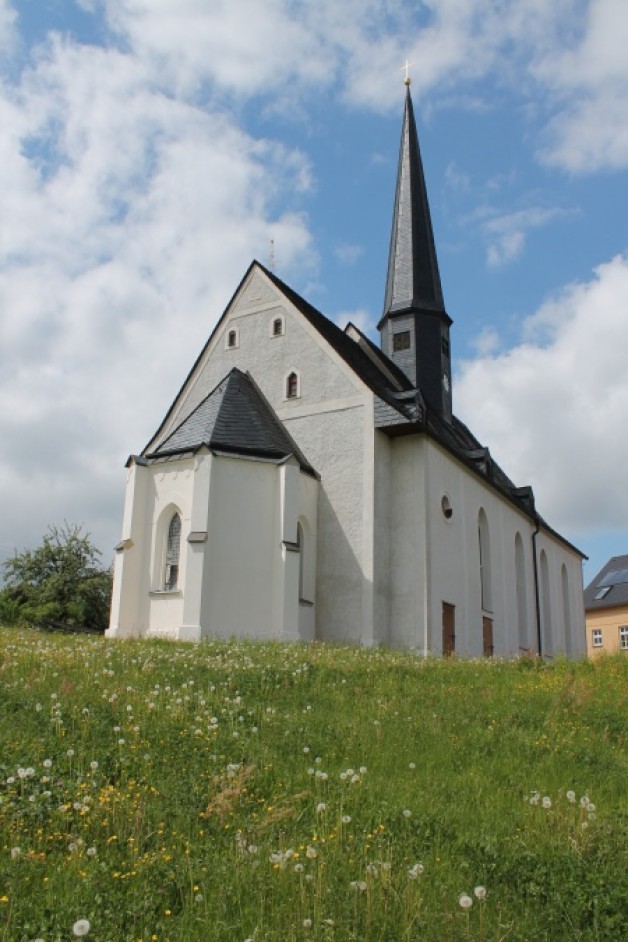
x: 548, y: 645
x: 232, y: 338
x: 301, y: 545
x: 277, y: 327
x: 522, y: 604
x: 564, y: 580
x: 292, y: 386
x: 173, y: 549
x: 485, y: 562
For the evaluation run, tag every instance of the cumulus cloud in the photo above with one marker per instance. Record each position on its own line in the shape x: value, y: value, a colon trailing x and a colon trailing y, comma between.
x: 588, y: 77
x: 553, y: 408
x: 118, y: 251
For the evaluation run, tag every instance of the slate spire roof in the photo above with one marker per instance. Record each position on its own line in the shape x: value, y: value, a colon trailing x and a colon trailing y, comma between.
x: 234, y: 418
x: 413, y: 279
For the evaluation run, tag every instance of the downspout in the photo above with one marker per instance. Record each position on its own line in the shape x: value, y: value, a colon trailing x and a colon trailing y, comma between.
x: 537, y: 597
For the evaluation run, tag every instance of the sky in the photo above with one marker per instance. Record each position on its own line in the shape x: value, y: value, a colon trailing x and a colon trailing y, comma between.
x: 150, y: 150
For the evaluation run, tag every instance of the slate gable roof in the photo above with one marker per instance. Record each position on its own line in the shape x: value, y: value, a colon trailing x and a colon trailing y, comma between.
x: 613, y: 575
x: 234, y: 418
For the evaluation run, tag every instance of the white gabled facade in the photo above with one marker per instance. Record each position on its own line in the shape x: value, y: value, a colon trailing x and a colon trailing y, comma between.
x: 371, y: 522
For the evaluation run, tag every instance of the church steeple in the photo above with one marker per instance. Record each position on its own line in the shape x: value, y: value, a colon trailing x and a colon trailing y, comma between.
x: 415, y: 326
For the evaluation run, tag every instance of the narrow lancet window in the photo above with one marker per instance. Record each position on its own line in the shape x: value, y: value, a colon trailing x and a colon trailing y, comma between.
x: 173, y: 550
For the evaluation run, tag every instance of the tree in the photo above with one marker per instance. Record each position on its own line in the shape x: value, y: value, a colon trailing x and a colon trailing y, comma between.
x: 60, y: 581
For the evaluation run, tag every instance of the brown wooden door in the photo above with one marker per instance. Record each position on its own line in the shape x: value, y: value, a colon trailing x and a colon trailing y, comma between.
x: 449, y: 629
x: 487, y: 636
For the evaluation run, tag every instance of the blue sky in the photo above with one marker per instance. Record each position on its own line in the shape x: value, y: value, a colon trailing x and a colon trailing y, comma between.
x: 150, y: 150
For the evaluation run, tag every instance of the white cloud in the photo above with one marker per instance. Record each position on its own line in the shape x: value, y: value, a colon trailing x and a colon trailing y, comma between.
x: 589, y: 81
x: 553, y: 409
x: 359, y: 317
x: 8, y: 32
x: 348, y: 254
x: 128, y: 218
x: 505, y: 233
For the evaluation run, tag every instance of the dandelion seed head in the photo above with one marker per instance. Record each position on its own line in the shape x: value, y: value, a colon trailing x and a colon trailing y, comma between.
x: 480, y: 892
x: 465, y: 901
x: 81, y: 927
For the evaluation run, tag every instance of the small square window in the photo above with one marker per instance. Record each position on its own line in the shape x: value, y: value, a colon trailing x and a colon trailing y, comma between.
x: 401, y: 341
x: 596, y: 637
x: 623, y: 637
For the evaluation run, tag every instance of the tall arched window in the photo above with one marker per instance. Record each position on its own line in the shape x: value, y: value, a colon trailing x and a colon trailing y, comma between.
x: 173, y: 550
x: 548, y: 645
x: 485, y: 562
x: 522, y: 604
x: 564, y: 581
x: 301, y: 545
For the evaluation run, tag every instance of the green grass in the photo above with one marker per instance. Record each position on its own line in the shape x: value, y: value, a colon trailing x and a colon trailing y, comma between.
x: 222, y: 807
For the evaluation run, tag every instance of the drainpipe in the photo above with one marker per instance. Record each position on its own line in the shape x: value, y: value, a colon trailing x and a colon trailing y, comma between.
x: 537, y: 597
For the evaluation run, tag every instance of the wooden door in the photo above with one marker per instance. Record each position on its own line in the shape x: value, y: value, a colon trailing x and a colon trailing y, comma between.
x: 487, y: 635
x: 449, y: 629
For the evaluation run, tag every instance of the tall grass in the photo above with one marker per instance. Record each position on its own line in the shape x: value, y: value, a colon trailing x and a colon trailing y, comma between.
x: 239, y: 791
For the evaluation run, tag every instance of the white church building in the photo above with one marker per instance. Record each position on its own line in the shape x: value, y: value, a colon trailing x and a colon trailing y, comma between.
x: 309, y: 484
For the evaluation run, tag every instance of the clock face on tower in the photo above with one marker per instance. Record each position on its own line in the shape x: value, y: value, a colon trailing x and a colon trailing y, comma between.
x: 445, y: 382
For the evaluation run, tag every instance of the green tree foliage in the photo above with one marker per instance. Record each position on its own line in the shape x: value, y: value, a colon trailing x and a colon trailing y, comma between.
x: 62, y: 581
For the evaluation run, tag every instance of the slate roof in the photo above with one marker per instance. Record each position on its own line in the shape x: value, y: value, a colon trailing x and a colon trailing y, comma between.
x: 413, y: 279
x: 234, y: 418
x: 614, y: 576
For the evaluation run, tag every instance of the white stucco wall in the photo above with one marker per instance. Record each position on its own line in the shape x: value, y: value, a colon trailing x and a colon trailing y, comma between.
x: 241, y: 581
x: 433, y: 559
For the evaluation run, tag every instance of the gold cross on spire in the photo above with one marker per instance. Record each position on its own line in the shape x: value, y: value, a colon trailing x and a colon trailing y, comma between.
x: 405, y: 68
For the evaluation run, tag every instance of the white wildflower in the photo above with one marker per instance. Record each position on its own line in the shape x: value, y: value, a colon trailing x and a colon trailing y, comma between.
x: 465, y: 901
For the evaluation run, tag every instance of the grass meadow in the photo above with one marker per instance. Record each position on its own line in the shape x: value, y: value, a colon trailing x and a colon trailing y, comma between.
x: 240, y: 792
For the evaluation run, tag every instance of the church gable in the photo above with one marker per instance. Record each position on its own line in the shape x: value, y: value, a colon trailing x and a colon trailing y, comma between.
x: 263, y: 332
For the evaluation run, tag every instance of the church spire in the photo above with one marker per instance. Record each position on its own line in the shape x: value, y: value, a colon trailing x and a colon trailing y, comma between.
x: 415, y: 325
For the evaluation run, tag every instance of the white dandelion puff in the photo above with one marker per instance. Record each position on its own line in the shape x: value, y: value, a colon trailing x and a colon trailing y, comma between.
x: 465, y: 901
x: 81, y: 927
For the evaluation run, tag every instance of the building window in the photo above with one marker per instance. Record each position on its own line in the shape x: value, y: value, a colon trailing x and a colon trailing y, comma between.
x: 445, y: 506
x: 232, y: 339
x: 444, y: 345
x: 401, y: 341
x: 292, y: 386
x: 277, y: 327
x: 484, y: 540
x: 623, y: 637
x: 173, y: 549
x: 596, y: 637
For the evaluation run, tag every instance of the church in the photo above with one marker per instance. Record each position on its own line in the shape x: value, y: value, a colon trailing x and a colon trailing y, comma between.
x: 308, y: 484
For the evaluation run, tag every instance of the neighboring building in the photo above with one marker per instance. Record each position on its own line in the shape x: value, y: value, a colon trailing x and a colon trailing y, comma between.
x: 606, y: 608
x: 308, y: 484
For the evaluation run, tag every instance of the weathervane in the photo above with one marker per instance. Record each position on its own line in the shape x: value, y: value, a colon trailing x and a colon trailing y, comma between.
x: 405, y: 68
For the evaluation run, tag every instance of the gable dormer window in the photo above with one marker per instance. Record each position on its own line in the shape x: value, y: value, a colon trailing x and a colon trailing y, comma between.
x: 233, y: 339
x: 292, y: 386
x: 401, y: 341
